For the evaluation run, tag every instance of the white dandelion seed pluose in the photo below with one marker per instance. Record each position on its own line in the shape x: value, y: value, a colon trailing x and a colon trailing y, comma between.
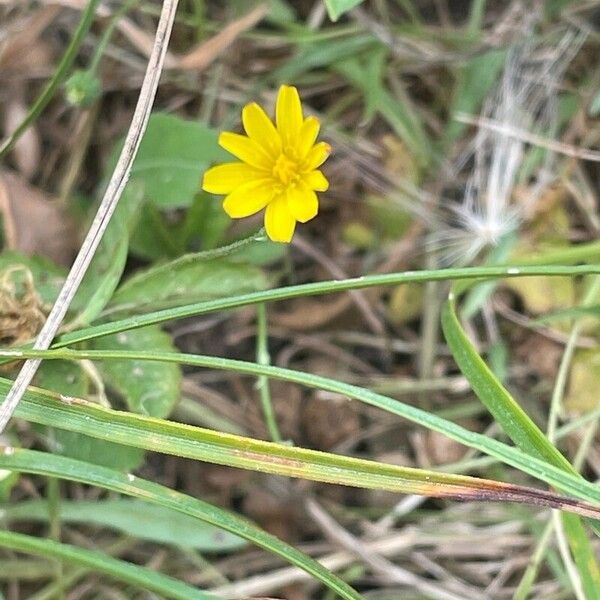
x: 525, y: 102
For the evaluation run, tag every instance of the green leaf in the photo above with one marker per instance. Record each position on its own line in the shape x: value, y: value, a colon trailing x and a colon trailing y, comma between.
x: 515, y: 423
x: 259, y: 253
x: 108, y: 264
x: 98, y: 452
x: 503, y: 407
x: 583, y: 553
x: 147, y: 388
x: 171, y: 159
x: 190, y: 278
x: 41, y: 463
x: 154, y: 238
x: 69, y: 380
x: 205, y: 223
x: 134, y: 518
x: 141, y: 577
x: 63, y: 377
x: 336, y: 8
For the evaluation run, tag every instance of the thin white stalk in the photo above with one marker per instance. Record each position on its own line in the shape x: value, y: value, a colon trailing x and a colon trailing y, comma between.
x: 109, y: 202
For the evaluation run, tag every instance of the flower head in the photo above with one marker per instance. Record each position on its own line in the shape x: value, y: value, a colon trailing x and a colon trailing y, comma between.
x: 278, y: 169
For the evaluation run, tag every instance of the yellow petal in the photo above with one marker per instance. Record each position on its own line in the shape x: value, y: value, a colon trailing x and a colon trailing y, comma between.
x: 245, y: 149
x: 249, y: 198
x: 315, y: 180
x: 260, y: 128
x: 307, y: 136
x: 302, y: 203
x: 288, y: 114
x: 223, y: 179
x: 317, y: 156
x: 279, y: 222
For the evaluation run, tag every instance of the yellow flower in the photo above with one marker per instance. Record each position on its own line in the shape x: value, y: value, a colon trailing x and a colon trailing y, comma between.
x: 278, y: 169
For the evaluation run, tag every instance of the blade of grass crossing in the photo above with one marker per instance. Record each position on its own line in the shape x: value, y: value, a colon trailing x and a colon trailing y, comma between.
x: 583, y: 554
x: 582, y: 253
x: 521, y: 430
x: 102, y: 563
x: 504, y: 408
x: 42, y: 463
x: 202, y: 444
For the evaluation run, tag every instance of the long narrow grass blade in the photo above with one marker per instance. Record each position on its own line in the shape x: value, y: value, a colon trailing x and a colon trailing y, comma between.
x: 132, y: 574
x: 510, y: 416
x: 504, y: 408
x: 51, y: 465
x: 184, y: 440
x: 472, y: 274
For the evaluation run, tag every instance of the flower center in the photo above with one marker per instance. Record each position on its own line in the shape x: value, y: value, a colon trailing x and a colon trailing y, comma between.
x: 285, y: 170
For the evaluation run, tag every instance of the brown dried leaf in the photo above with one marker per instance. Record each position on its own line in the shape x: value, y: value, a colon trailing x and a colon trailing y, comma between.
x: 306, y: 314
x: 196, y: 59
x: 34, y: 224
x: 206, y: 52
x: 142, y: 40
x: 22, y: 47
x: 21, y: 309
x: 138, y: 37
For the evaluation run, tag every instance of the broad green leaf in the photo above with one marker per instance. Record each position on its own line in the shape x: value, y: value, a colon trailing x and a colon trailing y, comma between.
x: 205, y: 223
x: 190, y: 278
x: 67, y: 379
x: 41, y: 463
x: 101, y: 452
x: 64, y: 377
x: 172, y: 157
x: 108, y: 264
x: 259, y: 253
x: 336, y: 8
x: 203, y: 226
x: 134, y: 518
x: 147, y: 388
x: 154, y: 238
x: 142, y: 577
